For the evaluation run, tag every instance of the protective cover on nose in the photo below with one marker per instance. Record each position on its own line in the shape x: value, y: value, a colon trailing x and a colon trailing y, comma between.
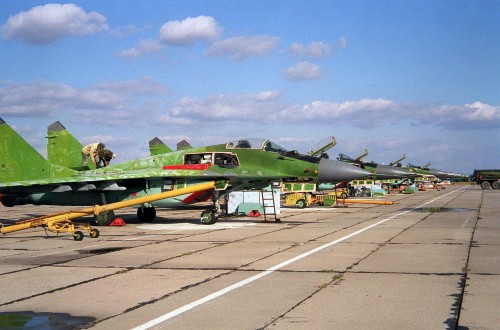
x: 336, y: 171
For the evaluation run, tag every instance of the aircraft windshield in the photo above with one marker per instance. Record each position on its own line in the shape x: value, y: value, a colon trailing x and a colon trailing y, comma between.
x: 254, y: 143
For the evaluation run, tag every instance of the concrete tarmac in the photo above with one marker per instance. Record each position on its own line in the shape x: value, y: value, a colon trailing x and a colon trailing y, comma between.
x: 429, y: 261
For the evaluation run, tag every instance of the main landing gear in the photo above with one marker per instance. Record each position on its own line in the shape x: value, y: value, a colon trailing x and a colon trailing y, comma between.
x: 210, y: 216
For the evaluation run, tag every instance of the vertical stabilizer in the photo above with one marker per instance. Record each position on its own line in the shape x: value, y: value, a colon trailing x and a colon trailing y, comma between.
x: 63, y: 149
x: 19, y: 160
x: 398, y: 162
x: 157, y: 147
x: 183, y: 145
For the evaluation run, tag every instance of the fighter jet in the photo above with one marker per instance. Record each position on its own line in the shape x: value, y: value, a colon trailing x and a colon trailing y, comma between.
x: 26, y: 177
x: 378, y: 171
x: 425, y: 170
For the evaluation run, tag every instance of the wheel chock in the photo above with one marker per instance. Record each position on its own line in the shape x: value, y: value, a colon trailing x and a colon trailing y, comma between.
x: 117, y: 222
x: 254, y: 213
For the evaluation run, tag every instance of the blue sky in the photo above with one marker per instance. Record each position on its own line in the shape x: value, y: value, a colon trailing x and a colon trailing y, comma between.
x: 420, y: 78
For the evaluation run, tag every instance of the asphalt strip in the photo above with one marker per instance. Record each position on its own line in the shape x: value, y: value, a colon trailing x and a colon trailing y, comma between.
x: 244, y: 282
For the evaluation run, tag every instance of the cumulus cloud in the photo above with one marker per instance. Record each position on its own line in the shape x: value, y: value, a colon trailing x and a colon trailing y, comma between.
x: 144, y: 47
x: 365, y: 113
x: 242, y: 47
x: 303, y: 71
x: 189, y: 30
x: 226, y: 107
x: 43, y: 98
x: 46, y: 24
x: 316, y: 49
x: 468, y: 116
x: 267, y: 107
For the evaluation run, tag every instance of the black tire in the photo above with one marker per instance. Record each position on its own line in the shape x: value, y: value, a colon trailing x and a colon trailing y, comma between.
x: 94, y: 233
x: 104, y: 218
x: 146, y: 214
x: 485, y: 185
x: 300, y: 204
x: 78, y: 235
x: 495, y: 185
x: 343, y: 195
x: 208, y: 217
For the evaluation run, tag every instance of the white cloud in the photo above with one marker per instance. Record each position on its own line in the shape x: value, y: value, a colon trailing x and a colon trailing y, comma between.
x: 316, y: 49
x: 303, y: 71
x: 49, y: 23
x: 239, y: 48
x: 144, y: 47
x: 227, y: 107
x: 189, y: 30
x: 341, y: 43
x: 267, y: 107
x: 43, y: 98
x: 468, y: 116
x: 481, y: 111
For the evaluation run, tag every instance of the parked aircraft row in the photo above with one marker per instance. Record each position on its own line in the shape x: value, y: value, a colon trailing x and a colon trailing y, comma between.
x: 26, y: 177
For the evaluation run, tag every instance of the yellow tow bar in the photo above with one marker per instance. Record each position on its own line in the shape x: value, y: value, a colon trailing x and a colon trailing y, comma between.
x: 61, y: 222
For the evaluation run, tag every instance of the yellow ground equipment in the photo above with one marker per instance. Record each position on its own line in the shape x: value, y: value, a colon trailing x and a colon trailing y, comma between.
x: 61, y: 222
x: 301, y: 200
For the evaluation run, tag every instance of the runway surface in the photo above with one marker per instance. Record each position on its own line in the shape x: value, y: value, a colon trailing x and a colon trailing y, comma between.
x: 429, y: 261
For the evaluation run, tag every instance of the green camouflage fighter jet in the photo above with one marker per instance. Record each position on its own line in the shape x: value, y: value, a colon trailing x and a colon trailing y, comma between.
x: 425, y: 170
x: 26, y: 177
x: 378, y: 171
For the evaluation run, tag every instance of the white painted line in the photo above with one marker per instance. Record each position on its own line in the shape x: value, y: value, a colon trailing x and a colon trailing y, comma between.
x: 244, y: 282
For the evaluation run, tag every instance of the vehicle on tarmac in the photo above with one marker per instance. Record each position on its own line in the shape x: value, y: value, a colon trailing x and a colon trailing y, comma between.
x: 487, y: 178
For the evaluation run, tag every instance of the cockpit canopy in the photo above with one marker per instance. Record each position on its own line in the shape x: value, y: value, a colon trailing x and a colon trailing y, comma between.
x: 267, y: 145
x: 256, y: 143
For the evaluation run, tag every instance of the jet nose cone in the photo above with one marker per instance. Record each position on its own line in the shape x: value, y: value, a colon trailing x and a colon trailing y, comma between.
x: 336, y: 171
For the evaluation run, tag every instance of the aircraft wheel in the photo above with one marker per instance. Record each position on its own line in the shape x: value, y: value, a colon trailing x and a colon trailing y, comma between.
x: 94, y: 233
x: 104, y: 218
x: 146, y: 214
x: 78, y: 235
x: 495, y: 185
x: 485, y: 185
x: 300, y: 204
x: 208, y: 217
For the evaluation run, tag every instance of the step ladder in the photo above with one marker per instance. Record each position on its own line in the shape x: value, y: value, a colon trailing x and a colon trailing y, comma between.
x: 268, y: 196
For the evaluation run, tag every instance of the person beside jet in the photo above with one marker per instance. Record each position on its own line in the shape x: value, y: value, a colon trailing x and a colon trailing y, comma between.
x: 92, y: 150
x: 104, y: 157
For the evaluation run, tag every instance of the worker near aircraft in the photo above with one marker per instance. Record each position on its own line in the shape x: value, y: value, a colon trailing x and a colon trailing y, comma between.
x: 92, y: 150
x: 104, y: 157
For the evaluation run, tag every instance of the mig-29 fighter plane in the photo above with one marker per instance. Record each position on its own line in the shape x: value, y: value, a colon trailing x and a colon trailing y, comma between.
x: 378, y: 171
x: 26, y: 177
x: 425, y: 170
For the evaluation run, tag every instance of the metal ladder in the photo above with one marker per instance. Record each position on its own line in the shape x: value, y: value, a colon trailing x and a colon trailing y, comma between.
x: 264, y: 194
